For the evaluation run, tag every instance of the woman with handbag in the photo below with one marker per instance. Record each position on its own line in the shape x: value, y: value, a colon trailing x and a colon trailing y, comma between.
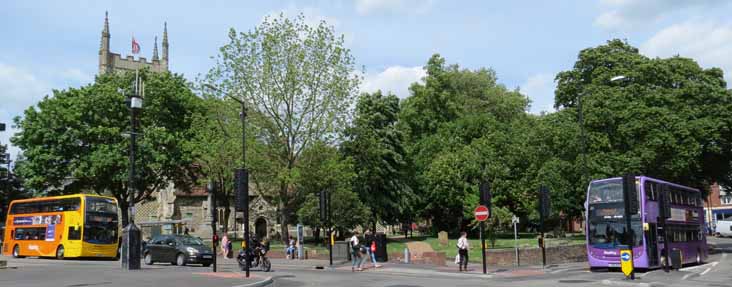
x: 355, y: 252
x: 463, y: 247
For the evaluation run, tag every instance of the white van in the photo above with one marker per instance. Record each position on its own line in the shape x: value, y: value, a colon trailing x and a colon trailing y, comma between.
x: 724, y: 228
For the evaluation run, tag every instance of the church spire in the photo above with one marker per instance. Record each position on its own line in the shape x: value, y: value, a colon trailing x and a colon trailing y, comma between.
x: 106, y: 23
x: 104, y: 45
x: 155, y: 49
x: 165, y: 46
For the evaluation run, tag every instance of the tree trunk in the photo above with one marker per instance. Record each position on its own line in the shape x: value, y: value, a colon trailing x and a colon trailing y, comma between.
x: 316, y: 233
x: 284, y: 233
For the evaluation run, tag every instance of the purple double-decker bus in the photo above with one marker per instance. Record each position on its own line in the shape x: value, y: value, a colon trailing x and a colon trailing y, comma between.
x: 606, y: 227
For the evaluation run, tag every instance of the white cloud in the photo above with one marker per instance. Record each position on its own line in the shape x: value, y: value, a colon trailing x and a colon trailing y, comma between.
x: 635, y: 14
x: 365, y: 7
x: 394, y: 79
x: 313, y: 17
x: 540, y: 89
x: 19, y: 89
x: 708, y: 42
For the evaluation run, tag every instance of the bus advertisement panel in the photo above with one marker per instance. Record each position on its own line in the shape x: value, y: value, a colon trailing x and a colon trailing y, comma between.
x: 606, y: 226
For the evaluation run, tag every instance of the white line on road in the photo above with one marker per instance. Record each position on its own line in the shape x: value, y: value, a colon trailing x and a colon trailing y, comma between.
x: 705, y: 271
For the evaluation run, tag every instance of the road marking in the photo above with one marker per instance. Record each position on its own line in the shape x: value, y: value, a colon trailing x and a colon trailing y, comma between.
x: 715, y: 263
x: 705, y: 271
x: 687, y: 276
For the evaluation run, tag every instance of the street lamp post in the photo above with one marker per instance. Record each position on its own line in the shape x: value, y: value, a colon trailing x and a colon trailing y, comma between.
x: 583, y: 136
x: 131, y: 233
x: 243, y: 117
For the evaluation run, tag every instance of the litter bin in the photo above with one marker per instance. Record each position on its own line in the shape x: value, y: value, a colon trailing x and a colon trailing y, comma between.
x: 381, y: 253
x: 675, y: 257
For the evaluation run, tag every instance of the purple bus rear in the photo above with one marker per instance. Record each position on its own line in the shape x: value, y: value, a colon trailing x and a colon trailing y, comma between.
x: 685, y: 227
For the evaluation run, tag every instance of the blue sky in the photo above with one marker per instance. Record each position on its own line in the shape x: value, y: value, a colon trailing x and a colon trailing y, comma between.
x: 50, y: 45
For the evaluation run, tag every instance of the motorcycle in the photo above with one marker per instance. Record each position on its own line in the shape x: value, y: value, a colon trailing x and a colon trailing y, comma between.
x: 257, y: 258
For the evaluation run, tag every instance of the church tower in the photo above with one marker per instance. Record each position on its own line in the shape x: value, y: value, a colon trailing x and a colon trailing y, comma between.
x: 113, y: 62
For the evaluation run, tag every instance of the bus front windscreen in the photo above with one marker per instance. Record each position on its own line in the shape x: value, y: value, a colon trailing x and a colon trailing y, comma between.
x: 606, y: 222
x: 100, y: 224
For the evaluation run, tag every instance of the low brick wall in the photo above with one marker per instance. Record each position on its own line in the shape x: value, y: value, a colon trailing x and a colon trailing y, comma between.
x: 507, y: 257
x: 532, y: 256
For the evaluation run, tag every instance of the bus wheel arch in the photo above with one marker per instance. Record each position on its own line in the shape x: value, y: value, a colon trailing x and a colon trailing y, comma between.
x: 16, y: 251
x: 60, y: 252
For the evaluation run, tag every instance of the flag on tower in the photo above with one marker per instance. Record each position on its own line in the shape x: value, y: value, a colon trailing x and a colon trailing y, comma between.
x: 135, y: 46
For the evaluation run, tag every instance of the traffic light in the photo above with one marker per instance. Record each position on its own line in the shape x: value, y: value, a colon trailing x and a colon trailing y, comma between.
x: 241, y: 182
x: 630, y: 194
x: 485, y: 195
x: 544, y: 201
x: 211, y: 188
x: 2, y: 127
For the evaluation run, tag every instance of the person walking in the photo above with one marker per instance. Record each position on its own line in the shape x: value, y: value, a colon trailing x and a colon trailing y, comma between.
x: 370, y: 242
x: 463, y: 247
x: 355, y: 252
x: 290, y: 251
x: 225, y: 246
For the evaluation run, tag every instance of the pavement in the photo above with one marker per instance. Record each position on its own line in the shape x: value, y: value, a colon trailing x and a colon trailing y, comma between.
x: 33, y: 272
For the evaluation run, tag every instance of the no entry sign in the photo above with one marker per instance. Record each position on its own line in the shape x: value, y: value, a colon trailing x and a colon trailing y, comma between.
x: 481, y: 213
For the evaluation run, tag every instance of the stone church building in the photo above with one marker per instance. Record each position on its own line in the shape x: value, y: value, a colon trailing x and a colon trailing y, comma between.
x: 172, y: 210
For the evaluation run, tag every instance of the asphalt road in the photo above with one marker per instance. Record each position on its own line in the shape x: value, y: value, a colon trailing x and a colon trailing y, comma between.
x: 33, y: 272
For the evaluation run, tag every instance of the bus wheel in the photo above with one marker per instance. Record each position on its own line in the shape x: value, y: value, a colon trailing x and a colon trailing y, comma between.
x: 698, y: 257
x: 60, y: 252
x: 16, y: 252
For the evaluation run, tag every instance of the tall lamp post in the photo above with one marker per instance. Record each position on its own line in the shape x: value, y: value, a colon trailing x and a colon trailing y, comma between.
x: 131, y: 233
x: 245, y: 181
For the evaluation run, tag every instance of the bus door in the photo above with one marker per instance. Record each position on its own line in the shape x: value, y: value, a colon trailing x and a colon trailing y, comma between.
x: 652, y: 244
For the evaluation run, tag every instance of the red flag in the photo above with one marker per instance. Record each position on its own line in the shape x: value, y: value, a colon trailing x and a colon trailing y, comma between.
x: 135, y: 46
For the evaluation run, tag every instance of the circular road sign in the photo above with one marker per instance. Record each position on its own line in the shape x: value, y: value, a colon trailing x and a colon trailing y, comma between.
x: 481, y: 213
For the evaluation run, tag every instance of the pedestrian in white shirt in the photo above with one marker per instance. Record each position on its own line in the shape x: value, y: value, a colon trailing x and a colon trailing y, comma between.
x: 355, y: 252
x: 463, y: 247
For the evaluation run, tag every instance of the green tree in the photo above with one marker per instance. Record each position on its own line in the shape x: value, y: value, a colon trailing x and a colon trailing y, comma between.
x: 376, y: 146
x: 324, y: 168
x: 215, y: 147
x: 463, y: 127
x: 667, y: 118
x: 75, y: 141
x: 299, y: 80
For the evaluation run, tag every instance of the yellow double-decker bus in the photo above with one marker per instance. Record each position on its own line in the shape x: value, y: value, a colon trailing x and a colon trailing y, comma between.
x: 79, y: 225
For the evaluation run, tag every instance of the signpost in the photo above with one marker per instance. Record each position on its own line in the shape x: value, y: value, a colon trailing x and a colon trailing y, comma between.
x: 515, y: 221
x: 544, y: 211
x: 481, y: 214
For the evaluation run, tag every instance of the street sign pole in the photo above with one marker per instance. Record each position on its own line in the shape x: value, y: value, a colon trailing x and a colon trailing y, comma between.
x: 482, y: 244
x: 481, y: 214
x: 515, y: 221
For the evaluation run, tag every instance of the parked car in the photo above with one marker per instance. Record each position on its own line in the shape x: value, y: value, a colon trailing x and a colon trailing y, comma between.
x: 177, y: 250
x: 724, y: 228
